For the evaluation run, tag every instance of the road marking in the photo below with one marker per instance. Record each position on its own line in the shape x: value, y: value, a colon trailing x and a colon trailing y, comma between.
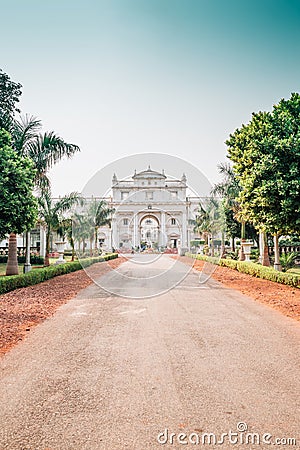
x: 191, y: 287
x: 80, y: 314
x: 134, y: 311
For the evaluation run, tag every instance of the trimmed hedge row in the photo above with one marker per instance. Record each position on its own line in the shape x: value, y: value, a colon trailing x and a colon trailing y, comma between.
x: 253, y: 269
x: 21, y: 259
x: 35, y: 276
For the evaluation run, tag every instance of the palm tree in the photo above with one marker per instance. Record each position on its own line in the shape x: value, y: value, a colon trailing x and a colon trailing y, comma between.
x: 65, y: 230
x: 207, y: 220
x: 80, y: 229
x: 45, y: 150
x: 229, y: 188
x: 99, y: 214
x: 51, y: 213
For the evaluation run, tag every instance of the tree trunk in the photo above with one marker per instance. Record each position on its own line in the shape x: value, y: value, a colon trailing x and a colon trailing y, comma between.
x: 91, y: 246
x: 73, y: 248
x: 96, y: 238
x: 232, y: 244
x: 243, y: 239
x: 47, y: 261
x: 277, y: 265
x: 222, y: 249
x: 12, y: 262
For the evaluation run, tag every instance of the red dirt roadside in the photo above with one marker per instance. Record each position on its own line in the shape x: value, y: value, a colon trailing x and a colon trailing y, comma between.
x: 283, y: 298
x: 24, y: 308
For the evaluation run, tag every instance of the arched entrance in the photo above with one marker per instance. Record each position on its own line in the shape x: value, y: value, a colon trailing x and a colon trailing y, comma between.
x: 149, y: 228
x: 174, y: 240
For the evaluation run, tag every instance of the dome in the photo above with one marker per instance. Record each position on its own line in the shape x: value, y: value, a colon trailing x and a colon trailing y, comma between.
x: 149, y: 173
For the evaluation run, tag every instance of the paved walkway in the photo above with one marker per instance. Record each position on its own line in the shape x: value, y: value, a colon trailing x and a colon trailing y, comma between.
x: 108, y: 372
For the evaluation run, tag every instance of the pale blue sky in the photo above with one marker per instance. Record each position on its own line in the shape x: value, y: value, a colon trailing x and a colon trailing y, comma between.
x: 121, y: 77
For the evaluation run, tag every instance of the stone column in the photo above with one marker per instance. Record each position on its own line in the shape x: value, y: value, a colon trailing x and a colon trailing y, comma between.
x: 135, y: 230
x: 115, y: 234
x: 183, y: 230
x: 109, y: 239
x: 163, y: 239
x: 42, y: 241
x: 277, y: 265
x: 27, y: 265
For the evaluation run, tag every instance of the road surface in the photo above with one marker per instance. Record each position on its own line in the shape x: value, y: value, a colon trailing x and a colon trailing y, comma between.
x: 112, y: 373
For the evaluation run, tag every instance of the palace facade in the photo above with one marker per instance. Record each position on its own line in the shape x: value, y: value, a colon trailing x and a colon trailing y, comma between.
x: 151, y: 210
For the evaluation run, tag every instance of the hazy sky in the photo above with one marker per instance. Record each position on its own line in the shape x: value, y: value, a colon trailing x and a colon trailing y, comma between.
x: 120, y: 77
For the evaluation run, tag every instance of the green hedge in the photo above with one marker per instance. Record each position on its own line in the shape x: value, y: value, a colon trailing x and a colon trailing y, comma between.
x: 253, y: 269
x: 35, y: 276
x: 21, y: 259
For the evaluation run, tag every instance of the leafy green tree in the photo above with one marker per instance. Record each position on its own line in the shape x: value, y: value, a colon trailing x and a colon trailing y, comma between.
x: 51, y: 213
x: 266, y: 157
x: 18, y: 205
x: 9, y: 97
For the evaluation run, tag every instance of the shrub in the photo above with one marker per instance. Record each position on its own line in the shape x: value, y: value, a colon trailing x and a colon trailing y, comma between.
x: 253, y: 269
x: 34, y: 259
x: 197, y: 242
x: 9, y: 283
x: 287, y: 260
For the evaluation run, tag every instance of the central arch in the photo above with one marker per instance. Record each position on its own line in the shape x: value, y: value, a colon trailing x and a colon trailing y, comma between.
x: 149, y: 229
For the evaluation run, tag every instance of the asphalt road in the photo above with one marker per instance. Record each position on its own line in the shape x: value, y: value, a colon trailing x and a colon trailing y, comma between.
x: 111, y: 372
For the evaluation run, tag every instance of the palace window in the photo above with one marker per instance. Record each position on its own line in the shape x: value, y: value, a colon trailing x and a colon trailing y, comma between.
x: 125, y: 221
x: 124, y: 195
x: 149, y: 195
x: 173, y: 221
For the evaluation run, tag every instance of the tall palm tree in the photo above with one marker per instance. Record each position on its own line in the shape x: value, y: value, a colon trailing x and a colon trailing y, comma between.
x: 99, y: 214
x: 45, y: 150
x: 207, y: 220
x: 80, y: 229
x: 65, y: 230
x: 229, y: 188
x: 51, y: 213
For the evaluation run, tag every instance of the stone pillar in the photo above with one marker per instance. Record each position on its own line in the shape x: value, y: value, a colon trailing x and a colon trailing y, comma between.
x: 109, y: 239
x: 42, y: 241
x: 115, y: 233
x: 184, y: 231
x: 27, y: 265
x: 135, y: 231
x: 277, y: 265
x: 163, y: 239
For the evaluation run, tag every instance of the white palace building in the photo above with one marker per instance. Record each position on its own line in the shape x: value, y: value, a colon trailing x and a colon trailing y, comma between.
x: 151, y: 210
